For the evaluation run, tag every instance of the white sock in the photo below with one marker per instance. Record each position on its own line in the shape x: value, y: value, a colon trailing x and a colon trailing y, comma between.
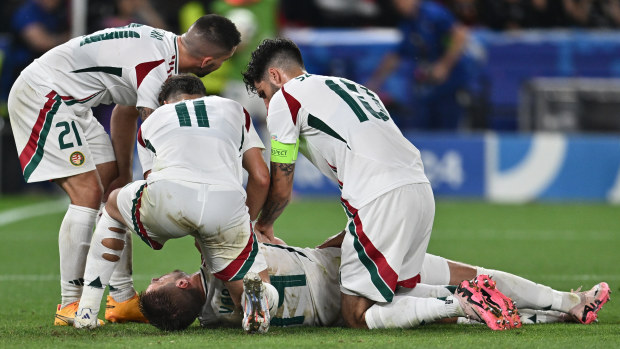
x: 408, y: 312
x: 427, y: 291
x: 121, y: 282
x: 73, y: 242
x: 98, y: 269
x: 530, y: 317
x: 528, y: 294
x: 272, y: 298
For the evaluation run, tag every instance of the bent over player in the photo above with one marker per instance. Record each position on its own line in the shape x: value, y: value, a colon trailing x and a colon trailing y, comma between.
x: 191, y: 149
x: 58, y: 138
x: 345, y: 131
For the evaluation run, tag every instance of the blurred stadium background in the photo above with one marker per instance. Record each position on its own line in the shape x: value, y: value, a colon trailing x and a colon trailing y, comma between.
x: 540, y: 98
x: 541, y: 126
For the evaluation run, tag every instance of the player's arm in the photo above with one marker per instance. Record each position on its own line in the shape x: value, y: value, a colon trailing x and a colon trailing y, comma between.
x: 123, y: 127
x: 258, y: 180
x: 387, y: 65
x: 283, y: 157
x: 457, y: 41
x: 334, y: 241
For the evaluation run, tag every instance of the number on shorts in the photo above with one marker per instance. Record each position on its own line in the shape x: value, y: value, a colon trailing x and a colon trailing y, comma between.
x: 65, y: 132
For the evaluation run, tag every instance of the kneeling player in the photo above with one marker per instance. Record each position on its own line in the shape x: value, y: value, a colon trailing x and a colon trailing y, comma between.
x: 307, y: 283
x: 191, y: 150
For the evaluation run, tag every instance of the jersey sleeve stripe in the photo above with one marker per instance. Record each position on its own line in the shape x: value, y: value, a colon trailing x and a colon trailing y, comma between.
x: 293, y: 105
x: 143, y: 69
x: 140, y: 139
x: 248, y: 120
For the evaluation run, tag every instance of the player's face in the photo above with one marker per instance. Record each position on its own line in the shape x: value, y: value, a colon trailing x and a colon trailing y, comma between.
x: 165, y: 279
x: 213, y: 64
x: 265, y: 90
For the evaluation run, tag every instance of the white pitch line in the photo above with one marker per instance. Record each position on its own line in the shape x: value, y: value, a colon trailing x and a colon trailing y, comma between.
x: 30, y: 211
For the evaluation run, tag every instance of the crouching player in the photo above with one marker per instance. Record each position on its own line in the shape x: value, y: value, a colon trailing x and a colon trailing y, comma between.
x: 191, y: 150
x: 307, y: 284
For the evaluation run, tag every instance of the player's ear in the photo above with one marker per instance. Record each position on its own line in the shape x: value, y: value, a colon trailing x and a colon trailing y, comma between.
x: 275, y: 76
x: 206, y: 61
x: 182, y: 283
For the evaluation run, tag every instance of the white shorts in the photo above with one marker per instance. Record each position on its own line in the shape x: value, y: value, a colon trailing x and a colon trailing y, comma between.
x: 52, y: 141
x: 215, y: 215
x: 386, y: 242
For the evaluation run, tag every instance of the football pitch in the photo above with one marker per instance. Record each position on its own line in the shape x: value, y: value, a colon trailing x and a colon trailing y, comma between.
x: 561, y: 245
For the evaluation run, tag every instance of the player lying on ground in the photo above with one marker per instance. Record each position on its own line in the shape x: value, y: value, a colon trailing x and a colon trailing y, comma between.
x: 59, y: 139
x: 191, y: 150
x: 307, y: 283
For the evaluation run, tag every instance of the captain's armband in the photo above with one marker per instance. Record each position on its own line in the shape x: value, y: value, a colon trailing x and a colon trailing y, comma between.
x: 284, y: 153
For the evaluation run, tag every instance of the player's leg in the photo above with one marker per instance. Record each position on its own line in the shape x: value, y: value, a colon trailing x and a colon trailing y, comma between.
x: 373, y: 263
x: 230, y: 250
x: 53, y: 146
x: 527, y: 294
x: 107, y: 244
x: 88, y: 142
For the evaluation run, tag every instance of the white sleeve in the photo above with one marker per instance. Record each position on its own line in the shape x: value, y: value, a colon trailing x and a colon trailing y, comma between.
x: 253, y: 139
x: 281, y: 122
x: 150, y: 84
x: 146, y: 155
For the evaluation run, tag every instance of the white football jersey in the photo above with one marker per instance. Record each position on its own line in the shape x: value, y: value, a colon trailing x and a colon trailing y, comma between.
x: 200, y: 140
x: 346, y: 132
x: 125, y: 65
x: 307, y: 283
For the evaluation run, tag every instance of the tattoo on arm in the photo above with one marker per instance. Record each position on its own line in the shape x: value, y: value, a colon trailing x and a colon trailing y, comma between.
x: 287, y: 169
x: 271, y: 210
x: 279, y: 192
x: 144, y: 112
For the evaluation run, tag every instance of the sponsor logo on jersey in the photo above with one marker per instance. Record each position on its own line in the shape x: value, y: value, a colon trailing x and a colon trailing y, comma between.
x: 77, y: 158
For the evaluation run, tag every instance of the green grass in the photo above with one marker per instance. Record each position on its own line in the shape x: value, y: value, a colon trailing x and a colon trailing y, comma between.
x: 561, y: 245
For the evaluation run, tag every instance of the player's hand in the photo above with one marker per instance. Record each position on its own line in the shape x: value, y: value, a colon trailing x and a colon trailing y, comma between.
x: 438, y: 73
x: 264, y: 234
x: 118, y: 182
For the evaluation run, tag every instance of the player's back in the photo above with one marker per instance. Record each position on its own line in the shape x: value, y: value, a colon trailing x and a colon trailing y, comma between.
x: 108, y: 66
x: 347, y: 133
x: 198, y: 140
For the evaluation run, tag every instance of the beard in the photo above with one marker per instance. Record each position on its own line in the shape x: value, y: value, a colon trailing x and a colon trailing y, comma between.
x: 209, y: 68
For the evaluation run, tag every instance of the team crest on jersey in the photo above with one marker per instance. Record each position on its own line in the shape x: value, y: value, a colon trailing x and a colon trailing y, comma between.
x: 77, y: 158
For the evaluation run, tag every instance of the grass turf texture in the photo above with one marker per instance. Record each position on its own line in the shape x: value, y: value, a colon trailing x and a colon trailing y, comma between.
x: 561, y: 245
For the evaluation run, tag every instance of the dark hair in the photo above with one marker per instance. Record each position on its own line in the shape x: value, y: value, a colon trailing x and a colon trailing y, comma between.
x: 181, y: 84
x: 279, y: 52
x: 171, y: 308
x: 218, y: 30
